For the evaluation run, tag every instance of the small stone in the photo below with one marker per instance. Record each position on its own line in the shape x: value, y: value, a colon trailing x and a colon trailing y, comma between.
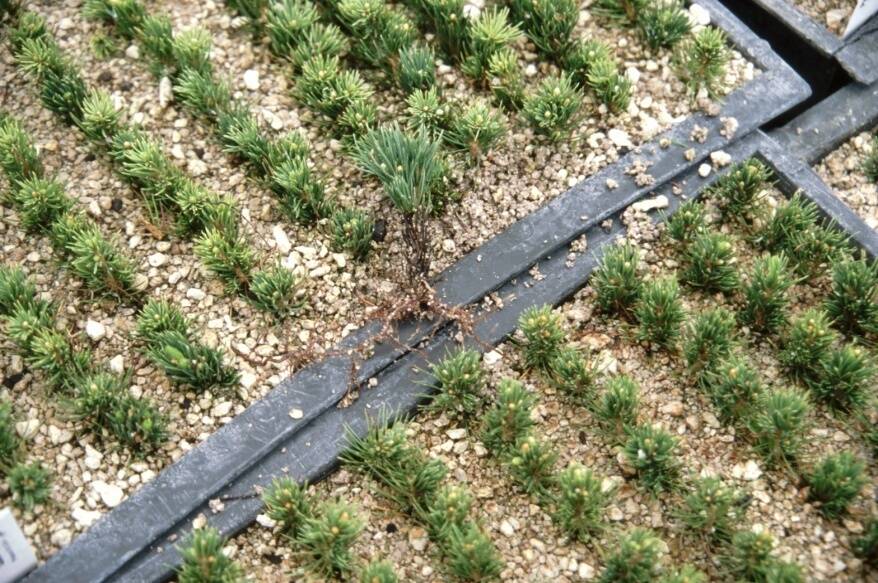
x: 493, y: 357
x: 506, y: 528
x: 418, y: 538
x: 689, y: 154
x: 95, y: 330
x: 110, y: 494
x: 456, y: 434
x: 615, y: 514
x: 620, y: 138
x: 92, y: 457
x: 132, y: 52
x: 265, y: 521
x: 166, y: 92
x: 319, y: 271
x: 834, y: 17
x: 699, y: 15
x: 248, y: 379
x: 59, y: 436
x: 157, y: 259
x: 751, y: 471
x: 222, y: 409
x: 448, y: 246
x: 297, y: 413
x: 649, y: 204
x: 117, y: 364
x: 85, y: 518
x: 281, y: 239
x: 704, y: 170
x: 251, y: 79
x: 585, y: 571
x: 674, y: 409
x: 193, y: 293
x: 196, y: 167
x: 61, y: 537
x: 720, y: 159
x: 340, y: 260
x: 530, y: 70
x: 27, y: 429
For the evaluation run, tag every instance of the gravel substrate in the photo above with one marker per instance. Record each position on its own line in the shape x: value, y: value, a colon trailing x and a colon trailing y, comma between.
x: 842, y: 170
x: 531, y: 546
x: 833, y: 14
x: 523, y: 173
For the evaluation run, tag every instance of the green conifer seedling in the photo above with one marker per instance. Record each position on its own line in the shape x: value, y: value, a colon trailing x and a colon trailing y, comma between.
x: 866, y: 546
x: 352, y: 231
x: 532, y: 465
x: 194, y: 365
x: 659, y: 312
x: 287, y: 503
x: 490, y: 32
x: 204, y: 560
x: 460, y: 383
x: 835, y: 482
x: 571, y: 373
x: 551, y: 109
x: 548, y: 24
x: 807, y: 343
x: 652, y: 453
x: 509, y: 420
x: 733, y: 386
x: 711, y: 263
x: 778, y: 424
x: 326, y: 539
x: 506, y: 80
x: 765, y: 294
x: 543, y: 336
x: 709, y: 338
x: 378, y: 572
x: 449, y: 509
x: 636, y: 559
x: 276, y: 290
x: 417, y: 69
x: 10, y: 444
x: 616, y: 281
x: 711, y: 510
x: 853, y: 302
x: 476, y: 129
x: 688, y: 222
x: 701, y: 60
x: 843, y: 379
x: 470, y: 555
x: 29, y: 484
x: 739, y: 192
x: 581, y: 503
x: 617, y: 408
x: 663, y: 24
x: 748, y: 556
x: 686, y: 574
x: 870, y: 162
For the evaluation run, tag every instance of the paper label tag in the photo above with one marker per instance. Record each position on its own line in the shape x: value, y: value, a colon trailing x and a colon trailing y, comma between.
x: 16, y: 555
x: 865, y: 9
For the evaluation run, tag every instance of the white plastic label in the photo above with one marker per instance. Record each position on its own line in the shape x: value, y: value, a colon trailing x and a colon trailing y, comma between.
x: 864, y: 10
x: 16, y: 555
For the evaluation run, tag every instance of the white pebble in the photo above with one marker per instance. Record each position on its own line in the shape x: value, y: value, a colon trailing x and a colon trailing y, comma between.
x: 699, y: 15
x: 117, y: 364
x: 251, y: 79
x: 110, y: 494
x: 620, y: 138
x: 132, y: 52
x: 95, y: 330
x: 281, y: 239
x: 166, y: 92
x: 193, y: 293
x: 85, y: 518
x: 720, y: 158
x: 704, y: 170
x: 649, y: 204
x: 157, y: 259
